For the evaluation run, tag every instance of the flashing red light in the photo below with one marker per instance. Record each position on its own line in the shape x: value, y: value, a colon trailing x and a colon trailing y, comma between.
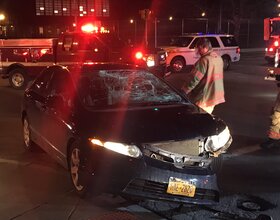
x: 89, y: 28
x: 88, y: 63
x: 139, y: 55
x: 276, y: 43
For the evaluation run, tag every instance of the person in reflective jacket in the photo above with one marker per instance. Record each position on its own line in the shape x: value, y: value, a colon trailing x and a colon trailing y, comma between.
x: 273, y: 132
x: 206, y: 86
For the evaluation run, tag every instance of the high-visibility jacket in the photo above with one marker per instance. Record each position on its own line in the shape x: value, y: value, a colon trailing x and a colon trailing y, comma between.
x: 206, y: 85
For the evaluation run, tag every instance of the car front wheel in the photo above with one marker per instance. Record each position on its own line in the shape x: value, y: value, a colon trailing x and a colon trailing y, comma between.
x: 80, y: 177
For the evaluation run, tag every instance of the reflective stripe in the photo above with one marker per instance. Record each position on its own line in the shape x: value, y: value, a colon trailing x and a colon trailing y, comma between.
x: 219, y: 98
x: 199, y: 74
x: 273, y: 135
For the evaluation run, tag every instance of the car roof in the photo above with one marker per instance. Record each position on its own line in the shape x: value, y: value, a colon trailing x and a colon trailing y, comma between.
x: 205, y: 35
x: 95, y: 66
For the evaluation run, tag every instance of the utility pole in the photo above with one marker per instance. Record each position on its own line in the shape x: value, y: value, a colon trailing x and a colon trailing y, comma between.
x: 219, y: 29
x: 146, y: 15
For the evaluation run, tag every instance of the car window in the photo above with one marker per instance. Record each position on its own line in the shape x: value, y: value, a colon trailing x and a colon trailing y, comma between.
x: 111, y: 40
x: 67, y: 43
x: 229, y: 41
x: 213, y: 40
x: 180, y: 41
x: 114, y: 88
x: 41, y: 84
x: 62, y: 85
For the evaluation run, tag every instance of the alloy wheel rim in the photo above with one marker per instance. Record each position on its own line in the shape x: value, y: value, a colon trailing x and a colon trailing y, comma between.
x: 18, y: 79
x: 75, y: 164
x: 26, y: 133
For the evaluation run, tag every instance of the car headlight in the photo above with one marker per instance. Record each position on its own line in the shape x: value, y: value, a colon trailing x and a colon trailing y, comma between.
x: 216, y: 142
x: 150, y: 60
x: 128, y: 150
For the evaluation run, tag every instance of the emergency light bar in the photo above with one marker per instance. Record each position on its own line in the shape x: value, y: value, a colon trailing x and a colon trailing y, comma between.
x: 90, y: 28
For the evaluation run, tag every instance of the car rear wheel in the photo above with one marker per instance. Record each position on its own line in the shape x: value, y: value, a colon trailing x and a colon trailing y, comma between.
x: 226, y: 61
x: 18, y: 78
x: 80, y: 177
x: 28, y: 144
x: 177, y: 65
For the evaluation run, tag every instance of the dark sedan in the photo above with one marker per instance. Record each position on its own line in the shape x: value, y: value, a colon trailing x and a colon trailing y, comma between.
x: 121, y: 129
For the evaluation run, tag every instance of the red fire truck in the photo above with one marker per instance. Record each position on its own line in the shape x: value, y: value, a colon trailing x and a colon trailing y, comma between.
x: 22, y: 59
x: 272, y: 37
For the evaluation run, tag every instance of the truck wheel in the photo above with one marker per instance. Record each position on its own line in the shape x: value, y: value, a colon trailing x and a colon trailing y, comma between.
x: 18, y: 78
x: 177, y: 65
x: 226, y: 61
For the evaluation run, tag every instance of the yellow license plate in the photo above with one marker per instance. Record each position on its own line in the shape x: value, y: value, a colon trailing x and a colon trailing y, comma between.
x: 180, y: 187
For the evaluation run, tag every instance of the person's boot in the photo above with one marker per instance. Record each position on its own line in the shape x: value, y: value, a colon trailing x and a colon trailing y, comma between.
x: 270, y: 143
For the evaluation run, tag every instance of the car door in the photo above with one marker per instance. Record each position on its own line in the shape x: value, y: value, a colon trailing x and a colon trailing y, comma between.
x: 59, y: 114
x: 35, y: 98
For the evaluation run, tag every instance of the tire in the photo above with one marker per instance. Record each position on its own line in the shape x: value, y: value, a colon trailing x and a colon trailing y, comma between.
x: 177, y: 65
x: 28, y: 143
x: 226, y: 61
x: 79, y: 175
x: 18, y: 78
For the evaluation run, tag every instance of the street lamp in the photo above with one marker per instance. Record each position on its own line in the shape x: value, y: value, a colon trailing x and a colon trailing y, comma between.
x: 2, y: 17
x: 170, y: 18
x: 203, y: 14
x: 131, y: 21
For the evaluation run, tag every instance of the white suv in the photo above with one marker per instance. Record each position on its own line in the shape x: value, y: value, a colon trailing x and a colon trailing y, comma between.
x: 181, y: 51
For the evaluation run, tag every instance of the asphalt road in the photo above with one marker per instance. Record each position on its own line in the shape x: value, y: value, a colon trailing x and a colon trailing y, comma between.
x: 32, y: 186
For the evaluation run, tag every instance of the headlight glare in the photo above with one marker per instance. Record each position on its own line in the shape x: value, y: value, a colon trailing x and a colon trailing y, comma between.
x: 216, y: 142
x: 128, y: 150
x: 150, y: 60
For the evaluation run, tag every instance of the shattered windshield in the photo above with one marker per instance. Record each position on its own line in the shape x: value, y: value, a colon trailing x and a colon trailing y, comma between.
x: 125, y: 88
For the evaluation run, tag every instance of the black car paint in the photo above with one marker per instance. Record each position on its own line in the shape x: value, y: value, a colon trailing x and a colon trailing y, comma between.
x: 135, y: 125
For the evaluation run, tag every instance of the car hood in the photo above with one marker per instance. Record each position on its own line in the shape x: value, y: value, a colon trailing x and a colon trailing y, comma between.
x: 169, y: 48
x: 148, y: 124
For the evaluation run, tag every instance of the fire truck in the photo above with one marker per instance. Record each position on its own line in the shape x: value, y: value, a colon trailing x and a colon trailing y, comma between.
x: 272, y: 37
x: 22, y: 59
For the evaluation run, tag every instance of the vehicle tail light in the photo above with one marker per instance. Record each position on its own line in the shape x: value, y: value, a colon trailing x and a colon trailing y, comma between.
x: 270, y: 49
x: 238, y: 50
x: 276, y: 43
x: 139, y: 55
